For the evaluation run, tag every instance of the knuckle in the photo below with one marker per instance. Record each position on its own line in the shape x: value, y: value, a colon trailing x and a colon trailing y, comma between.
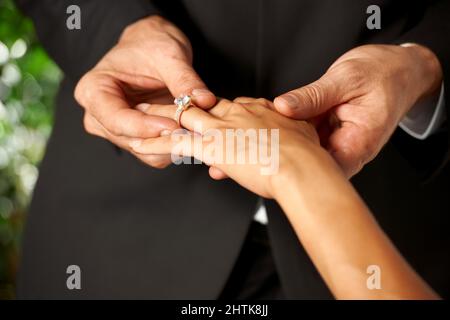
x: 236, y: 109
x: 156, y: 21
x: 89, y: 126
x: 364, y: 151
x: 160, y: 21
x: 264, y: 102
x: 243, y: 99
x: 357, y: 150
x: 122, y: 123
x: 237, y: 106
x: 169, y: 49
x: 349, y: 67
x: 114, y: 125
x: 164, y: 49
x: 82, y: 92
x: 225, y: 115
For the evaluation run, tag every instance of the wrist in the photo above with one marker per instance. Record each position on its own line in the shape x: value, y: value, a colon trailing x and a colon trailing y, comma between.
x: 301, y: 167
x: 312, y: 186
x: 428, y: 72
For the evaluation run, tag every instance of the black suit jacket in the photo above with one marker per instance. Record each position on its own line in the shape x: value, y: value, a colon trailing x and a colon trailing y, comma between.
x: 137, y: 232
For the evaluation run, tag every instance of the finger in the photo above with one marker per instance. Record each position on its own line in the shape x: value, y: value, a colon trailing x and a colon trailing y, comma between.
x: 155, y: 161
x: 104, y: 100
x: 180, y: 143
x: 260, y: 101
x: 244, y: 100
x: 136, y: 80
x: 217, y: 174
x: 351, y: 148
x: 222, y: 108
x: 193, y: 118
x: 162, y: 145
x: 161, y: 110
x: 181, y: 79
x: 92, y: 126
x: 313, y: 99
x: 95, y: 128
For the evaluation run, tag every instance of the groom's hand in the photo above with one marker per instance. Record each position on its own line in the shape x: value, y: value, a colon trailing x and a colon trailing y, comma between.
x: 151, y: 63
x: 362, y: 97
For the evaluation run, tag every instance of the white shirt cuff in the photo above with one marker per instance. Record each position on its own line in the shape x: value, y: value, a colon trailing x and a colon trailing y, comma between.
x: 423, y: 120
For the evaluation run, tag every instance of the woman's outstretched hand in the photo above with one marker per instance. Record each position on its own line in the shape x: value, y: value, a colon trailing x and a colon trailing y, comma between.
x: 245, y: 139
x: 277, y: 157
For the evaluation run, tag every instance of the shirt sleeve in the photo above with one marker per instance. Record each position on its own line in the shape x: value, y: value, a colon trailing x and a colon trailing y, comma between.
x: 426, y: 117
x: 429, y: 26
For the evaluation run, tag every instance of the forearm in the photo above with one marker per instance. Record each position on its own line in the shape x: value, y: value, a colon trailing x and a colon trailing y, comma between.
x: 341, y: 236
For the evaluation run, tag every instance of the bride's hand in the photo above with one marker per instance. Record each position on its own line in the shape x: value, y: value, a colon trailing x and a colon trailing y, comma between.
x: 325, y: 211
x: 272, y: 142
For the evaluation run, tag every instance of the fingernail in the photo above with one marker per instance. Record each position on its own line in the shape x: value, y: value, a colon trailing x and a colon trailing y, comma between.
x: 135, y: 143
x: 165, y: 133
x: 291, y: 100
x: 143, y: 107
x: 201, y: 92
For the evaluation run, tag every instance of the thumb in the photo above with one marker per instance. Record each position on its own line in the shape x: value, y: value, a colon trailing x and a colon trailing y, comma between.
x: 181, y: 79
x: 311, y: 100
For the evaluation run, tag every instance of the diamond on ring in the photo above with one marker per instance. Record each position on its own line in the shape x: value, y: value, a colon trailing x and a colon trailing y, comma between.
x: 182, y: 103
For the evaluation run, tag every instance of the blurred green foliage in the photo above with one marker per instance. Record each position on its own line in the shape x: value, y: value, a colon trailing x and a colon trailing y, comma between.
x: 28, y: 84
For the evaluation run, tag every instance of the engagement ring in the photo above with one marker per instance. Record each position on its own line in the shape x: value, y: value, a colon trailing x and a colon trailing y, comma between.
x: 182, y: 103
